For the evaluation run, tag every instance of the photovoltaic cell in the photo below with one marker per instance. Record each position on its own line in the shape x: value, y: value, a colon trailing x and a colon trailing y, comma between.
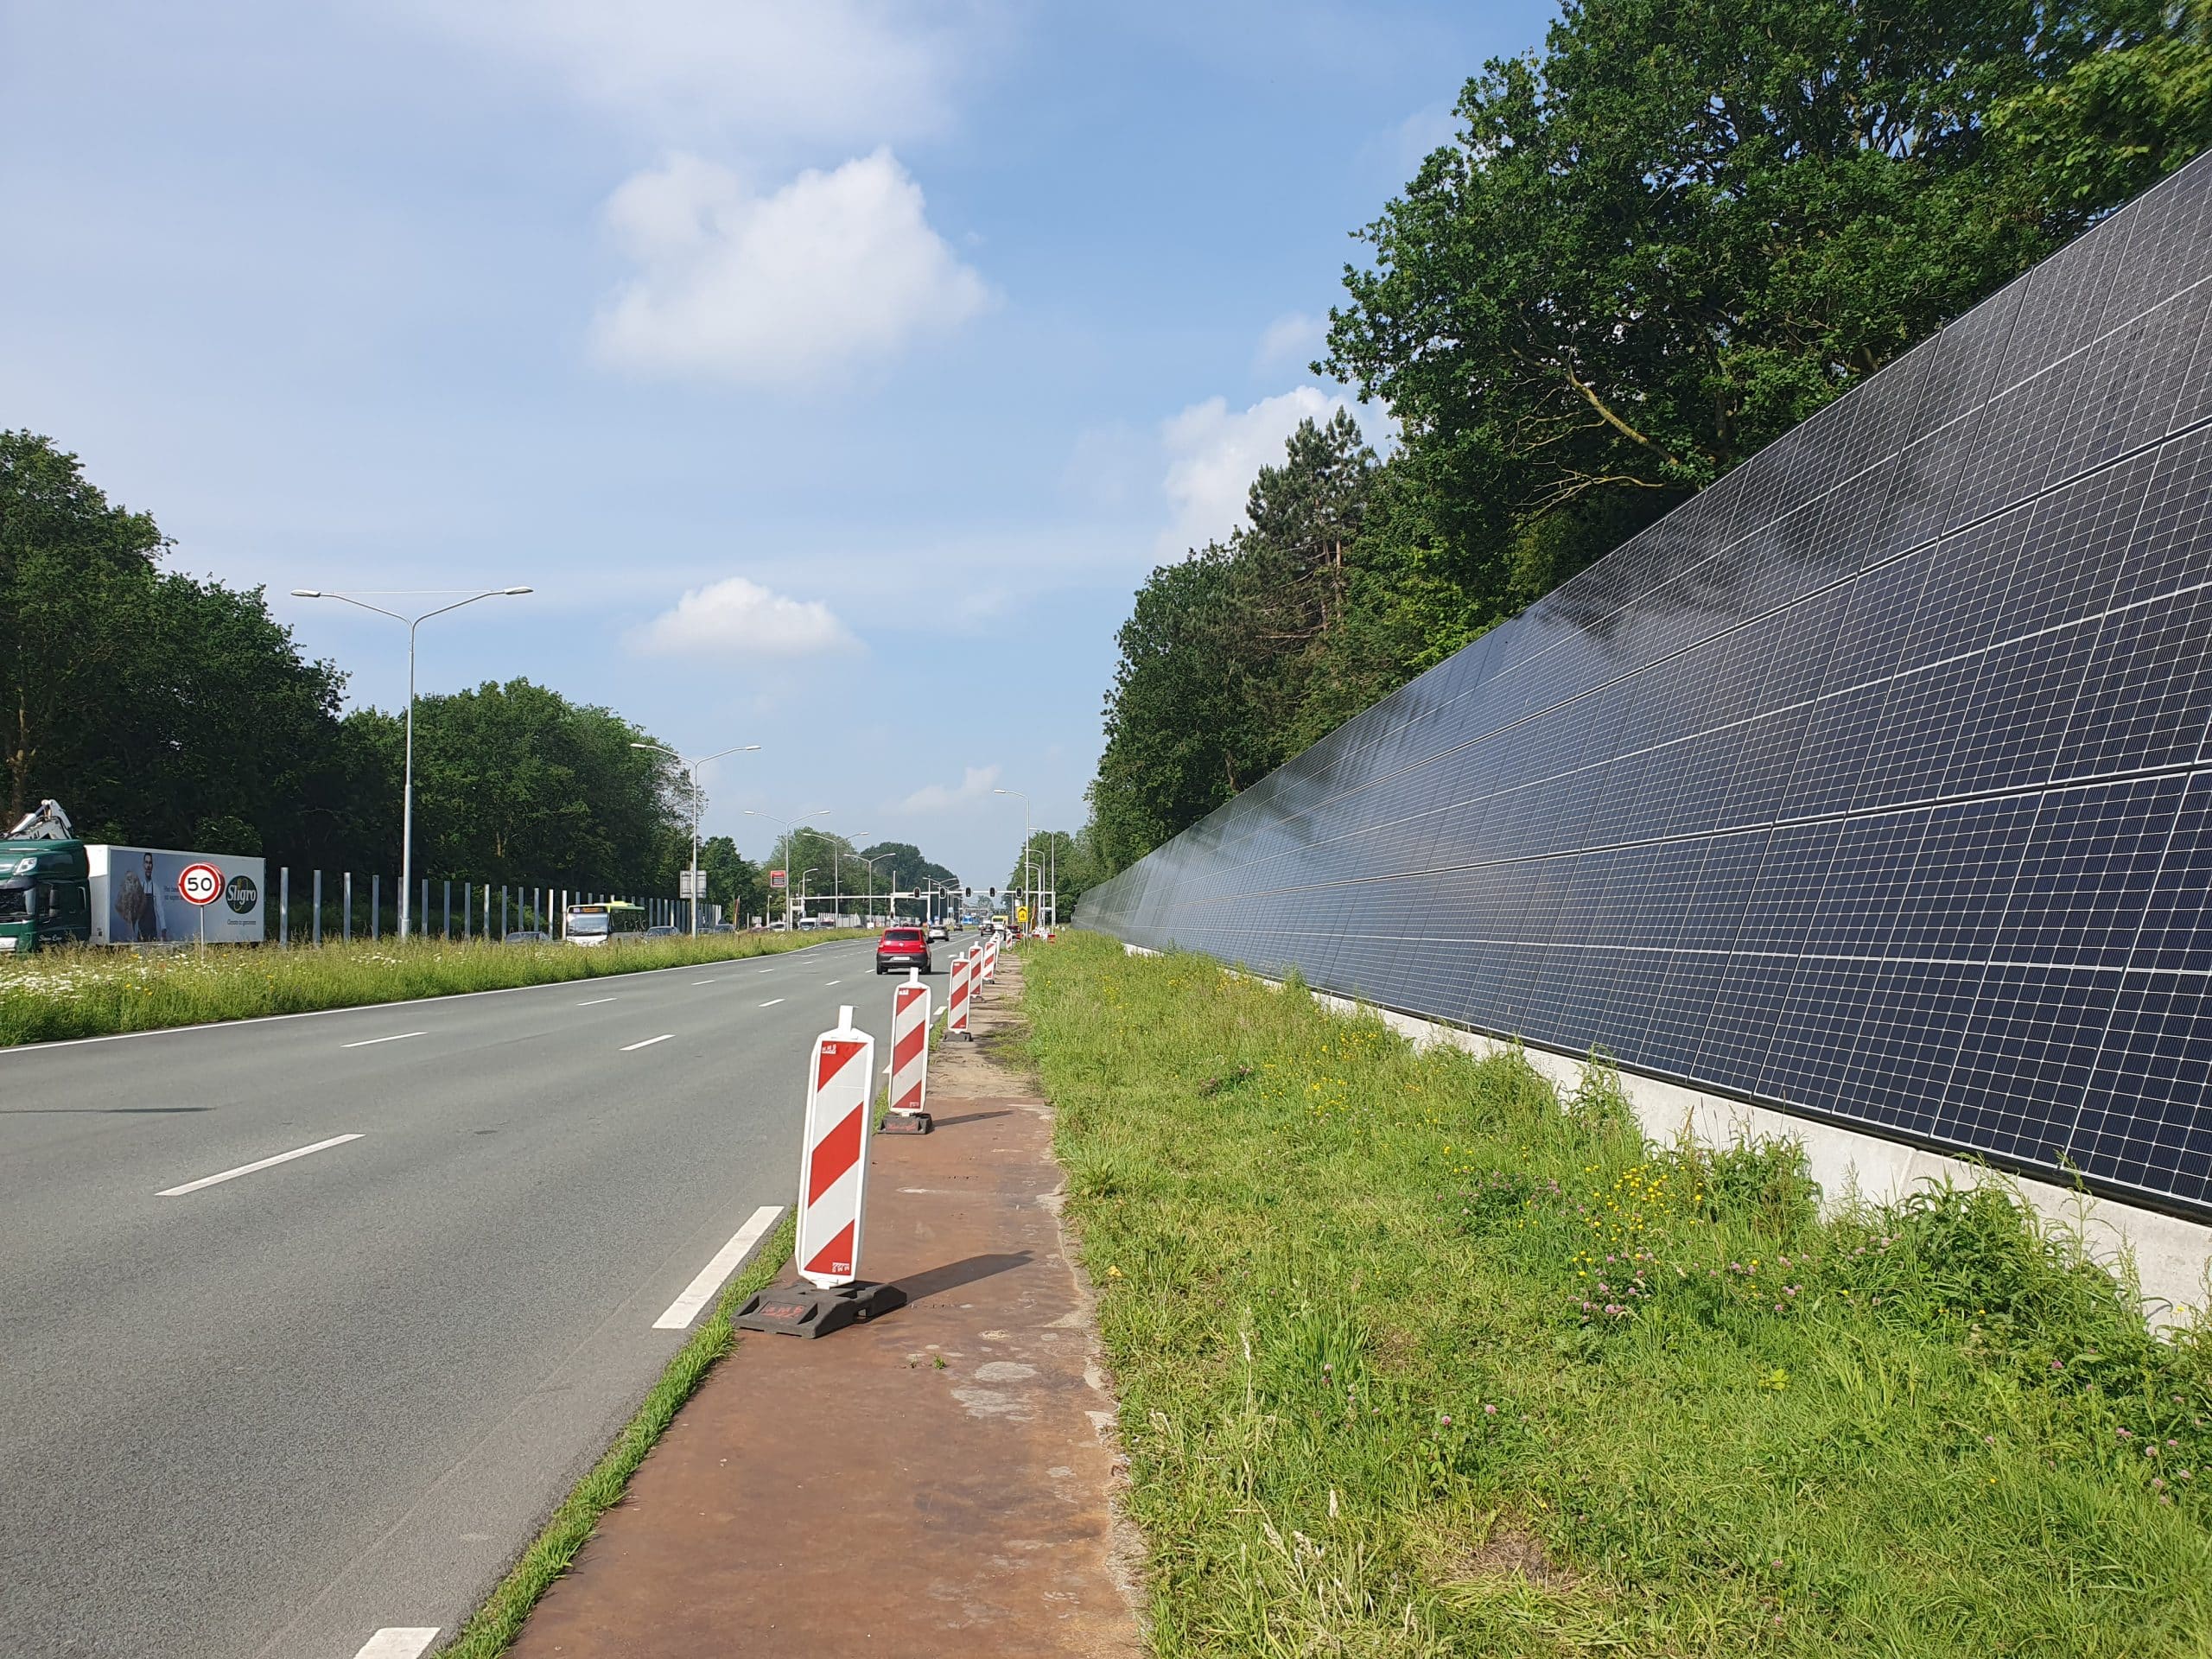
x: 1871, y: 782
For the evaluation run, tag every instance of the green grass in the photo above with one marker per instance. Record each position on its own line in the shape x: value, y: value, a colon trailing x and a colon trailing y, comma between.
x: 496, y: 1624
x: 1416, y: 1358
x: 98, y: 992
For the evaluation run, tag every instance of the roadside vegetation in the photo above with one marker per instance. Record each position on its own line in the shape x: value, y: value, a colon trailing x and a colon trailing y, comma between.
x: 98, y: 992
x: 1416, y: 1357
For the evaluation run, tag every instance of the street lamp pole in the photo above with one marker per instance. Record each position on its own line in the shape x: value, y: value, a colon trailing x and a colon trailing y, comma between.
x: 1025, y: 834
x: 692, y: 766
x: 789, y: 828
x: 407, y: 780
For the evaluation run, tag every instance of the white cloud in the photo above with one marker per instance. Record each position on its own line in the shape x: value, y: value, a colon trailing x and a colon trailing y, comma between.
x: 1214, y: 455
x: 975, y: 784
x: 1292, y: 339
x: 832, y: 270
x: 737, y: 616
x: 825, y: 71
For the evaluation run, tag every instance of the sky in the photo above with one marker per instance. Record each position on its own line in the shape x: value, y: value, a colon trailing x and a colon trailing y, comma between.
x: 833, y: 372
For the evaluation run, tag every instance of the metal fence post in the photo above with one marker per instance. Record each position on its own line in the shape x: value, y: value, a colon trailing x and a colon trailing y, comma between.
x: 376, y: 903
x: 465, y: 887
x: 283, y: 906
x: 318, y: 906
x: 348, y: 923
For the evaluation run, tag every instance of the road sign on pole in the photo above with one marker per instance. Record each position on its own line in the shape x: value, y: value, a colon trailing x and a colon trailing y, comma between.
x: 955, y: 999
x: 832, y: 1198
x: 909, y: 1058
x: 200, y: 886
x: 691, y: 884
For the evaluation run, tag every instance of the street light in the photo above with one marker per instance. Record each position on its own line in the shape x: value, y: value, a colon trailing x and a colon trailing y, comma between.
x: 407, y: 784
x: 812, y: 870
x: 1026, y: 833
x: 871, y: 863
x: 812, y: 812
x: 693, y: 767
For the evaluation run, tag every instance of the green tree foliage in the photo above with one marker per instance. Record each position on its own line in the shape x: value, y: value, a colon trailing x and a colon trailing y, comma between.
x: 1057, y: 863
x: 155, y: 706
x: 1648, y: 251
x: 736, y: 883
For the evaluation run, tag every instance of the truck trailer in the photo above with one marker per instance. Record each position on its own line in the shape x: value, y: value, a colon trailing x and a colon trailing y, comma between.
x: 56, y: 890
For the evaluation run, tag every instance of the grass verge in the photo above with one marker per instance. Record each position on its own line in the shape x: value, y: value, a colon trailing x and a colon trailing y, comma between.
x: 1417, y: 1358
x: 496, y: 1624
x: 101, y: 992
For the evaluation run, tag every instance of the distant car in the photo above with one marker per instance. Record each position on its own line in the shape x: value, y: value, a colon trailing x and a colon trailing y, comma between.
x: 938, y: 931
x: 807, y: 924
x: 529, y: 936
x: 902, y: 947
x: 663, y: 933
x: 719, y: 927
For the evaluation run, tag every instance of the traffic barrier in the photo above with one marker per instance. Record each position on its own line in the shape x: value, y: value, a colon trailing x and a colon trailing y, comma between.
x: 955, y: 999
x: 991, y: 957
x: 832, y: 1198
x: 909, y: 1058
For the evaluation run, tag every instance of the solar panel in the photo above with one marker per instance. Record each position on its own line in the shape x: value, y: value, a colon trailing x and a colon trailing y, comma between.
x: 1871, y: 783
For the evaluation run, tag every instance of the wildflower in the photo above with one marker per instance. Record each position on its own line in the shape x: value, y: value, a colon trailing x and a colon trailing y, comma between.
x: 2123, y: 1434
x: 1447, y: 1420
x: 1491, y: 1411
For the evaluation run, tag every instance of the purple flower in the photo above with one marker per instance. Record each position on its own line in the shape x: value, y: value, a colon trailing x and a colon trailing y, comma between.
x: 1447, y: 1418
x: 1491, y: 1411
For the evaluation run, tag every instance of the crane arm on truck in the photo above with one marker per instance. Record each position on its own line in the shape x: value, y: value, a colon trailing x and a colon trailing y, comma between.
x: 47, y: 822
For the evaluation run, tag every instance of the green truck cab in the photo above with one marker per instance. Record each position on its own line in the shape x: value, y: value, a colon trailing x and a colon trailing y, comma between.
x: 45, y: 895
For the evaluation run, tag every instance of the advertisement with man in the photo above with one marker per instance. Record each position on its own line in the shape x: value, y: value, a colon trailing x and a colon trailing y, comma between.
x: 137, y: 900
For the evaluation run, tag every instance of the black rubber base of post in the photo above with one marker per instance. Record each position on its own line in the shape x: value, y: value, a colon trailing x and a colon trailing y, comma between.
x: 906, y: 1123
x: 804, y: 1310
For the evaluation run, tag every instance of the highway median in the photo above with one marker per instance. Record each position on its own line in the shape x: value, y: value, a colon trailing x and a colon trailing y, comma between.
x: 1417, y: 1357
x: 57, y: 996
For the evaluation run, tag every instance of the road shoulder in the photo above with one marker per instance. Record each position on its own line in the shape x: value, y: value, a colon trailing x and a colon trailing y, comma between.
x: 940, y: 1482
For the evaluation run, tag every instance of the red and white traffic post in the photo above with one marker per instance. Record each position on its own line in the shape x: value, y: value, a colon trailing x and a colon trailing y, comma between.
x: 991, y: 957
x: 909, y: 1058
x: 956, y: 1000
x: 832, y: 1198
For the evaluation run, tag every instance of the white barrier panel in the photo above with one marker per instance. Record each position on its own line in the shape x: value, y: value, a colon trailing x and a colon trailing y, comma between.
x: 991, y: 957
x: 833, y: 1178
x: 910, y: 1053
x: 955, y: 999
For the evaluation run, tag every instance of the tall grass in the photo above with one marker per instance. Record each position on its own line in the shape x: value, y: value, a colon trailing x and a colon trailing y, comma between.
x: 1417, y: 1358
x: 98, y: 992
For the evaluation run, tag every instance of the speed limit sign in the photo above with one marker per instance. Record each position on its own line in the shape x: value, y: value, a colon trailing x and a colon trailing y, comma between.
x: 200, y: 884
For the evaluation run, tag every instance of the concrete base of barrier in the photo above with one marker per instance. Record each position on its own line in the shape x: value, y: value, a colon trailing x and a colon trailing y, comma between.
x: 2171, y: 1259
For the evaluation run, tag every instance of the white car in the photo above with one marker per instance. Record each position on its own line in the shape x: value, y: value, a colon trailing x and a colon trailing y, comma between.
x: 937, y: 930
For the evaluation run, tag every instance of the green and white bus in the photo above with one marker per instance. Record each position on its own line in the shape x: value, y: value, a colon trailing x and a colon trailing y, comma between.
x: 597, y: 924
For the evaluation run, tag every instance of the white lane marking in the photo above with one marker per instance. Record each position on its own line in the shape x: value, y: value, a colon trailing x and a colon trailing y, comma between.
x: 826, y: 983
x: 12, y: 1050
x: 706, y: 981
x: 398, y: 1641
x: 396, y: 1037
x: 594, y: 1002
x: 248, y: 1169
x: 701, y: 1290
x: 771, y: 1001
x: 628, y: 1048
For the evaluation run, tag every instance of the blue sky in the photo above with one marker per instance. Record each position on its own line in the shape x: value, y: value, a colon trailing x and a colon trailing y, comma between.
x: 833, y: 371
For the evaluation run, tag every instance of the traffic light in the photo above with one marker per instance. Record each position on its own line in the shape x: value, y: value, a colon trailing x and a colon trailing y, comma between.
x: 994, y: 893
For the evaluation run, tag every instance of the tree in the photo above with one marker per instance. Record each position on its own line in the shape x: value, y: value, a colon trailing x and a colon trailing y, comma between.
x: 1058, y: 864
x: 158, y: 707
x: 1689, y: 226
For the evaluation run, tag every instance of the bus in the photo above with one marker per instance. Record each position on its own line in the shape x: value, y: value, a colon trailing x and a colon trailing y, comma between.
x: 597, y: 924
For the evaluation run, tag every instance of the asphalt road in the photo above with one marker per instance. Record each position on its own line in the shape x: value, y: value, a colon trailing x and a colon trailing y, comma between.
x: 277, y: 1414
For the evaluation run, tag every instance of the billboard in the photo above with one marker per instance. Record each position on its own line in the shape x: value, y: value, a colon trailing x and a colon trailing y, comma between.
x: 136, y: 901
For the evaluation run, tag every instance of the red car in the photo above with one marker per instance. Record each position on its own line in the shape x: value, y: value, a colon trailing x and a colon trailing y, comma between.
x: 902, y: 947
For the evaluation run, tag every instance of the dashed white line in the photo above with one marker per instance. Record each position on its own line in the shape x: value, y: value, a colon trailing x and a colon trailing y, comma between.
x: 248, y: 1169
x: 771, y: 1001
x: 398, y: 1641
x: 594, y: 1002
x: 716, y: 981
x: 826, y: 983
x: 628, y: 1048
x: 768, y: 970
x: 701, y: 1290
x: 396, y: 1037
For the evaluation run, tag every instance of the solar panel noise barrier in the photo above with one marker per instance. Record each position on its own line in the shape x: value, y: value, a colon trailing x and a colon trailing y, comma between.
x: 1871, y: 783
